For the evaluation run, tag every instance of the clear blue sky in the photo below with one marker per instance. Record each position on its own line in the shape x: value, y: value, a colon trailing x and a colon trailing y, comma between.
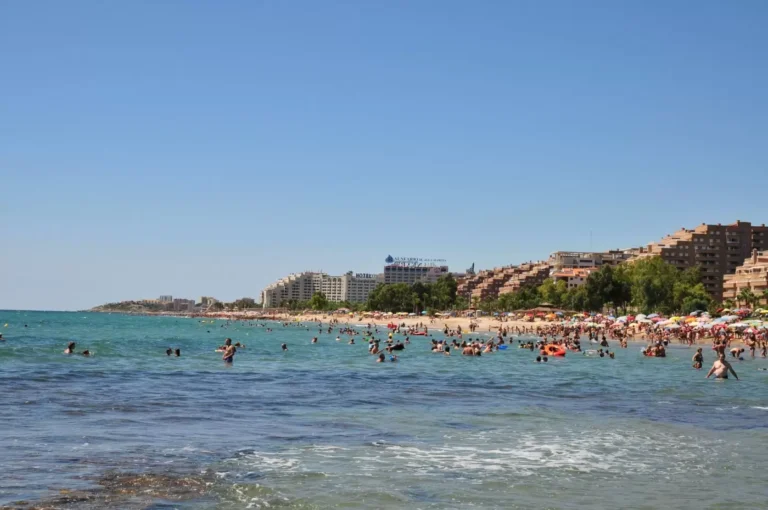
x: 207, y: 148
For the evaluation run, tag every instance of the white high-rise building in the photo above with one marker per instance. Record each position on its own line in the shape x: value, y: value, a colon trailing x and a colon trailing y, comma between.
x: 302, y: 286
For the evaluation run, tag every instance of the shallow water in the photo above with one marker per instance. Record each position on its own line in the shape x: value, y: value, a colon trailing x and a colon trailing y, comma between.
x: 324, y: 426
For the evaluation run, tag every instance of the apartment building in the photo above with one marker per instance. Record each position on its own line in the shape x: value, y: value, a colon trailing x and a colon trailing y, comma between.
x: 752, y: 274
x: 718, y: 249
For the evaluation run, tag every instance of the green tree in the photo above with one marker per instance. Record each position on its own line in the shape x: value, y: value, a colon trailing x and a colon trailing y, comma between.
x: 653, y: 282
x: 396, y: 297
x: 443, y: 292
x: 244, y: 303
x: 217, y: 306
x: 318, y: 301
x: 694, y: 298
x: 462, y: 303
x: 553, y: 292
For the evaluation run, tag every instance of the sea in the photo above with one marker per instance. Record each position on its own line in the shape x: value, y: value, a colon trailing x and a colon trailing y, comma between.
x: 324, y: 426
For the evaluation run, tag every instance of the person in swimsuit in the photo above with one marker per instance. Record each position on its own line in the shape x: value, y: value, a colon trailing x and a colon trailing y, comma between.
x: 229, y: 353
x: 721, y: 368
x: 70, y: 348
x: 178, y: 353
x: 284, y: 347
x: 168, y: 351
x: 227, y: 345
x: 698, y: 359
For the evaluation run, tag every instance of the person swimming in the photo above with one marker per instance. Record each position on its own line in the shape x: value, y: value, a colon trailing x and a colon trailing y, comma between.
x: 86, y: 353
x: 284, y: 347
x: 168, y: 351
x: 380, y: 359
x: 70, y: 348
x: 178, y: 353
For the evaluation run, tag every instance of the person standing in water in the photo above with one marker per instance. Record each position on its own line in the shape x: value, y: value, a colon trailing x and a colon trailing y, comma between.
x: 721, y: 368
x: 229, y: 353
x: 698, y: 359
x: 70, y: 348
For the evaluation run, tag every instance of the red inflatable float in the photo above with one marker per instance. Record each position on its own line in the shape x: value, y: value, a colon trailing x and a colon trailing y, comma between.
x: 553, y: 350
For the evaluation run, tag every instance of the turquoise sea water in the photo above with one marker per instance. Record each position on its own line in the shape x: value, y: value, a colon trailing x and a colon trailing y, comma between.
x: 323, y: 426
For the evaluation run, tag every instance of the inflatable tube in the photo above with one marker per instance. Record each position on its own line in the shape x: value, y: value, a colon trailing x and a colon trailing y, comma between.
x: 502, y: 347
x: 418, y: 333
x: 553, y: 350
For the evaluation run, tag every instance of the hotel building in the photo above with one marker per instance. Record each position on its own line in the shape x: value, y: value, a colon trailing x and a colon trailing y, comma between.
x: 354, y: 288
x: 412, y: 270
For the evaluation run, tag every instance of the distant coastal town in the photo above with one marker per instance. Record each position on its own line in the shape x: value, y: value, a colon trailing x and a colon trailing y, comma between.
x: 711, y: 266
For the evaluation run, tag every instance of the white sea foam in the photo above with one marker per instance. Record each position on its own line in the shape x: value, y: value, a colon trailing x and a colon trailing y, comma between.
x: 523, y: 454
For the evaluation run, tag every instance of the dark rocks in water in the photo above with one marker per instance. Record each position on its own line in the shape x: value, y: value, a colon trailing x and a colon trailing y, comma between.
x: 123, y: 491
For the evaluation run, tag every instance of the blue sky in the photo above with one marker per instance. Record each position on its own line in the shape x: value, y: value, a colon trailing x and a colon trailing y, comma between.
x: 208, y: 148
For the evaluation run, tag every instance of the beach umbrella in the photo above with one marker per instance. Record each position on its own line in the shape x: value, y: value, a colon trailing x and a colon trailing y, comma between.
x: 640, y: 316
x: 672, y: 326
x: 559, y: 313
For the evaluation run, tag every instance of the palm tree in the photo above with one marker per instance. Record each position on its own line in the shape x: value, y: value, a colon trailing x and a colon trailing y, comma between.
x: 765, y: 296
x: 746, y: 296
